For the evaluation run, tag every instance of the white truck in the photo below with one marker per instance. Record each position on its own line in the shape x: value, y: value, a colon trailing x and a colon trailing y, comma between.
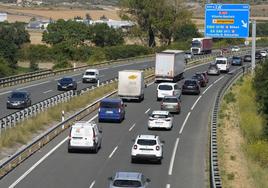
x: 169, y: 65
x: 131, y: 85
x: 201, y: 46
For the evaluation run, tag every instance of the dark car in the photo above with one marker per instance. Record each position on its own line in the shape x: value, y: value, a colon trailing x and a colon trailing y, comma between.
x: 191, y: 86
x: 205, y: 74
x: 200, y: 78
x: 258, y: 55
x: 213, y: 70
x: 236, y: 60
x: 19, y: 99
x: 67, y: 83
x: 247, y: 58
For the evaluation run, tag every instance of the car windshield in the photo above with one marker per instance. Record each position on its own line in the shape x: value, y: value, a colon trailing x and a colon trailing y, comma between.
x: 159, y: 116
x: 212, y: 67
x: 18, y: 95
x: 146, y: 142
x: 165, y: 87
x: 109, y: 105
x: 127, y: 183
x: 221, y: 61
x: 170, y: 99
x: 236, y: 58
x: 190, y: 82
x: 90, y: 73
x: 66, y: 80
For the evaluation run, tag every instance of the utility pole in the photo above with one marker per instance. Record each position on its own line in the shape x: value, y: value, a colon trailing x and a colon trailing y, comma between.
x: 253, y: 64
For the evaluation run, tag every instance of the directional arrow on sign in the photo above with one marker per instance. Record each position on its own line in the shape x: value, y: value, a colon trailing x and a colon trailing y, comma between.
x: 244, y: 24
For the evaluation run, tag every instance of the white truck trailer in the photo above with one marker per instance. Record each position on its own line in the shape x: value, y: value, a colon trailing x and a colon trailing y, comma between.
x: 131, y: 85
x: 169, y: 65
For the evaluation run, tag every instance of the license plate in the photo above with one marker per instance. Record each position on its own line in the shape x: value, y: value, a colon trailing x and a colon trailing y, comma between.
x: 109, y: 112
x: 190, y: 86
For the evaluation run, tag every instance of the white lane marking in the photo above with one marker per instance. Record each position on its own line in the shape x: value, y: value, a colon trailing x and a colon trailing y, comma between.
x: 47, y: 91
x: 110, y: 156
x: 92, y: 184
x: 196, y: 102
x: 92, y: 118
x: 131, y: 127
x: 168, y: 186
x: 182, y: 127
x: 37, y: 163
x: 234, y: 70
x: 33, y: 85
x: 218, y: 80
x: 207, y: 89
x: 42, y: 159
x: 150, y: 84
x: 147, y: 110
x: 173, y: 157
x: 5, y: 92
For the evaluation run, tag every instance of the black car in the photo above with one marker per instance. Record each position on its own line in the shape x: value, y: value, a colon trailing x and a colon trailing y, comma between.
x: 258, y: 55
x: 191, y: 86
x: 19, y: 99
x: 236, y: 60
x: 67, y: 83
x: 247, y: 58
x: 200, y: 78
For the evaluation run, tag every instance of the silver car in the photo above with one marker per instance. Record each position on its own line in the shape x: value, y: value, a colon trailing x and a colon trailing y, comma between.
x: 213, y: 70
x: 129, y: 179
x: 171, y: 104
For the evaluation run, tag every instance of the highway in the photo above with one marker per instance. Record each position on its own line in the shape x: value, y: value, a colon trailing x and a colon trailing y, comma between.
x: 185, y: 149
x: 46, y: 88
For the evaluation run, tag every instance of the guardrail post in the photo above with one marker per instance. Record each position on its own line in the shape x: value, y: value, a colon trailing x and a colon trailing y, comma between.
x: 62, y: 115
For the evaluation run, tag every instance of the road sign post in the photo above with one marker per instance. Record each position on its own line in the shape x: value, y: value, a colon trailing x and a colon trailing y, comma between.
x: 253, y: 46
x: 227, y: 20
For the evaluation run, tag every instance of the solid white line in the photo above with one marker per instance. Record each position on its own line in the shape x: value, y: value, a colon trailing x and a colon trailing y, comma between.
x: 147, y: 110
x: 92, y: 118
x: 218, y: 80
x: 168, y: 186
x: 182, y: 127
x: 150, y: 84
x: 92, y: 184
x: 37, y: 163
x: 5, y: 92
x: 196, y: 102
x: 207, y: 89
x: 131, y: 127
x: 47, y: 91
x: 173, y: 157
x: 33, y: 85
x: 110, y: 156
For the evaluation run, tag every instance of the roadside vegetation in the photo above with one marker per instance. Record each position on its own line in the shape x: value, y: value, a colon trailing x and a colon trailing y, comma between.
x: 243, y: 146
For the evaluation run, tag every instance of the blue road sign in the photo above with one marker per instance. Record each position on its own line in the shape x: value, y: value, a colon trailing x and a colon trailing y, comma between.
x: 227, y: 20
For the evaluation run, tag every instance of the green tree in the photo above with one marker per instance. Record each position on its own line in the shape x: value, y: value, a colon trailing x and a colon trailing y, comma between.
x: 186, y: 32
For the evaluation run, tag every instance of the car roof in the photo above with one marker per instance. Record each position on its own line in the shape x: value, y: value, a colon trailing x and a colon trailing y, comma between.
x: 128, y: 176
x: 147, y: 137
x: 160, y: 112
x: 167, y: 83
x: 189, y: 79
x: 114, y: 100
x: 91, y: 70
x: 66, y: 77
x: 83, y: 124
x: 16, y: 91
x: 221, y: 58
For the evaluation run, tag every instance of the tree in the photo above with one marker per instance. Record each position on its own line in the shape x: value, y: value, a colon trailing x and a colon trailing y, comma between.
x: 186, y: 32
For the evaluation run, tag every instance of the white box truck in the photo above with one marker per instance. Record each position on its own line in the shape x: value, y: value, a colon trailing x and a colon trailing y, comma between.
x: 131, y: 85
x: 169, y: 65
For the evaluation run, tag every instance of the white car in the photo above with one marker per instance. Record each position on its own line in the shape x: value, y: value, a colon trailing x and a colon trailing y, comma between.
x: 148, y: 147
x: 85, y: 136
x: 91, y: 75
x: 223, y: 64
x: 168, y: 89
x: 160, y: 120
x: 263, y: 53
x: 235, y: 49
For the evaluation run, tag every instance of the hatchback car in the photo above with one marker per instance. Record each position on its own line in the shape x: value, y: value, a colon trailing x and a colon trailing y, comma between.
x: 111, y: 110
x: 247, y: 58
x: 200, y: 78
x: 168, y: 89
x: 67, y: 83
x: 171, y: 104
x: 191, y: 86
x: 19, y: 99
x: 91, y: 75
x: 263, y: 53
x: 128, y: 179
x: 213, y: 70
x: 147, y: 147
x: 235, y: 49
x: 236, y: 60
x: 160, y: 120
x: 258, y: 55
x: 205, y: 74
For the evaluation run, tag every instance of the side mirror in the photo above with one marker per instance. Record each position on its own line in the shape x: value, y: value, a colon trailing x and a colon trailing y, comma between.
x: 100, y: 130
x: 162, y: 142
x: 125, y: 105
x: 148, y: 180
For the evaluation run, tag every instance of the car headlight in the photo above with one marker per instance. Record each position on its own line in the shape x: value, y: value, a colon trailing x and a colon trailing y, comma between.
x: 58, y: 84
x: 70, y: 84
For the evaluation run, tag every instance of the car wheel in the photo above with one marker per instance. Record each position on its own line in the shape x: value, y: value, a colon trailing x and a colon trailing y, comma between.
x: 133, y: 160
x: 96, y: 149
x: 70, y: 150
x: 159, y: 161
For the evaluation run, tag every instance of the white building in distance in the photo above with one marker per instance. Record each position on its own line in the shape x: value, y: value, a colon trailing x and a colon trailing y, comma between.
x: 3, y: 17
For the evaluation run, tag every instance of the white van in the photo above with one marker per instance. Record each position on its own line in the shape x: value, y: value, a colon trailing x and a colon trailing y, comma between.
x: 91, y: 75
x: 223, y: 64
x: 168, y: 89
x: 85, y: 136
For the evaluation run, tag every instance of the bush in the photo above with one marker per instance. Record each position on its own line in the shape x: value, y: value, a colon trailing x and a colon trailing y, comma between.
x: 230, y: 97
x: 5, y: 70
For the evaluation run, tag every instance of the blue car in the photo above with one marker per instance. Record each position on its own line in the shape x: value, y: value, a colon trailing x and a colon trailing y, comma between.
x: 111, y: 110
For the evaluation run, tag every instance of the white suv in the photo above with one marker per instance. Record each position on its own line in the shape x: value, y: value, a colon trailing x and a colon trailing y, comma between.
x: 168, y: 89
x: 85, y: 136
x: 147, y: 147
x: 223, y: 64
x: 91, y: 75
x: 160, y: 119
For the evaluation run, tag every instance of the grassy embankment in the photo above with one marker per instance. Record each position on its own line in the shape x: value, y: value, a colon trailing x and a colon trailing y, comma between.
x: 243, y: 149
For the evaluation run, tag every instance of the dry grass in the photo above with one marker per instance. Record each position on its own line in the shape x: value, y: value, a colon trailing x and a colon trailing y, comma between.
x: 36, y: 37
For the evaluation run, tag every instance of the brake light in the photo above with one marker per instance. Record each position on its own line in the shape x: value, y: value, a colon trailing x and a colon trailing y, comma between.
x: 135, y: 146
x: 157, y: 148
x: 168, y: 119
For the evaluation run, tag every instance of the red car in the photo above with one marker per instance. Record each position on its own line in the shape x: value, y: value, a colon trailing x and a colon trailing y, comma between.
x: 205, y: 74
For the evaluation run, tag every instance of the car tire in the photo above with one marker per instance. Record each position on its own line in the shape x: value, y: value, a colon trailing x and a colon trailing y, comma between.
x: 96, y: 149
x: 70, y: 150
x: 133, y: 160
x: 159, y: 161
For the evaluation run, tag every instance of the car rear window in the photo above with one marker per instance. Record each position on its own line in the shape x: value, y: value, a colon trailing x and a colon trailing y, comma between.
x: 109, y: 105
x: 146, y: 142
x: 159, y: 116
x: 190, y: 82
x: 221, y: 62
x: 173, y: 99
x: 90, y: 73
x: 18, y: 95
x: 165, y: 87
x: 127, y: 183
